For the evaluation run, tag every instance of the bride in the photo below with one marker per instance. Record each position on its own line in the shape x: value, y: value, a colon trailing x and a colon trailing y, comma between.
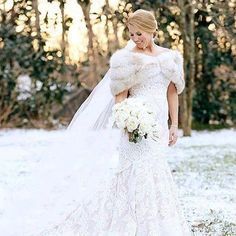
x: 125, y: 188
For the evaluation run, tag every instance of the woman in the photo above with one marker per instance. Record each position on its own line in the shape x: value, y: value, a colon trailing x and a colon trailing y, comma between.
x: 140, y: 199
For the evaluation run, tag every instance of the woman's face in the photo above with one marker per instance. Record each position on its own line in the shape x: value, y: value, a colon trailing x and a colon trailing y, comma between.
x: 140, y: 38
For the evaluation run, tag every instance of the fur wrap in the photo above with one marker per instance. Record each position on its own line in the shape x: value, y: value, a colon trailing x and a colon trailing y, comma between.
x: 126, y: 69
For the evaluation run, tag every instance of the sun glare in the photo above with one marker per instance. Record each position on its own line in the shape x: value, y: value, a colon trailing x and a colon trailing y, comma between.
x: 77, y: 35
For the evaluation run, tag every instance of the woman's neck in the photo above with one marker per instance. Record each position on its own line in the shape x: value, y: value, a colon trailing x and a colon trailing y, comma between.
x: 150, y: 49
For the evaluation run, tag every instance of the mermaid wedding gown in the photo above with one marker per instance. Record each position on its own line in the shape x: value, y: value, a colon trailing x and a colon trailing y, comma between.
x: 141, y: 197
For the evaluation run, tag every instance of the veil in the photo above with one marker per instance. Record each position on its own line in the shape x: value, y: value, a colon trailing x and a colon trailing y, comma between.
x: 96, y: 109
x: 78, y: 162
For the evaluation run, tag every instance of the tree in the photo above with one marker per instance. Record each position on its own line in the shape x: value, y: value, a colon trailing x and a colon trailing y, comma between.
x: 202, y: 54
x: 40, y: 69
x: 187, y: 29
x: 92, y: 52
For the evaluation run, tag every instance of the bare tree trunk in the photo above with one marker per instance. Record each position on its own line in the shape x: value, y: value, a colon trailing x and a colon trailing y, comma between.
x: 93, y: 76
x: 62, y: 9
x: 187, y: 29
x: 4, y: 13
x: 192, y: 68
x: 107, y: 12
x: 37, y: 19
x: 115, y: 29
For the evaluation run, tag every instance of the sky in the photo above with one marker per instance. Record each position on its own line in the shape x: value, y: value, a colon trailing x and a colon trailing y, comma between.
x: 77, y: 35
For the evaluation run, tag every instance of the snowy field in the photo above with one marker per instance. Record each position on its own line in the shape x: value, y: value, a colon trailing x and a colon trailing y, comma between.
x: 203, y: 166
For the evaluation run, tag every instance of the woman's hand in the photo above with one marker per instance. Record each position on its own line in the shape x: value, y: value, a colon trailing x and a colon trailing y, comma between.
x: 173, y: 135
x: 121, y: 96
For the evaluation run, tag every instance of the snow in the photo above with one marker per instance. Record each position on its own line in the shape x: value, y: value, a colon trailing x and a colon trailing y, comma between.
x: 203, y: 167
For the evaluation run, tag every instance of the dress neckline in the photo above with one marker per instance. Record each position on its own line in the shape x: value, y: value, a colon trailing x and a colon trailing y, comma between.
x: 156, y: 56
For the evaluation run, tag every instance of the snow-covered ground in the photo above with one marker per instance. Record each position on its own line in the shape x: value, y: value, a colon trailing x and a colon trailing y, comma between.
x: 203, y: 166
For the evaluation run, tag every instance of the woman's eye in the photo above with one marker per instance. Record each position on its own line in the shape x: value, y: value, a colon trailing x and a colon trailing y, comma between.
x: 139, y: 34
x: 131, y: 35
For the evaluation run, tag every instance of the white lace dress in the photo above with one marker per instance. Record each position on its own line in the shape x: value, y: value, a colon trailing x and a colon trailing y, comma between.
x: 141, y: 199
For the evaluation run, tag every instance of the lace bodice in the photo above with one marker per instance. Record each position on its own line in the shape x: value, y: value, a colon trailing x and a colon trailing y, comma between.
x: 148, y: 77
x: 153, y: 87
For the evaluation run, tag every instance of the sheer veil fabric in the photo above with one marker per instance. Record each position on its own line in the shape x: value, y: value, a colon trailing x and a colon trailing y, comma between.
x: 79, y: 162
x: 95, y: 111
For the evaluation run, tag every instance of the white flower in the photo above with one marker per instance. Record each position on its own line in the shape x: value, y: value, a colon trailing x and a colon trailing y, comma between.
x: 122, y: 115
x: 120, y: 124
x: 147, y: 118
x: 145, y: 128
x: 135, y: 113
x: 132, y: 124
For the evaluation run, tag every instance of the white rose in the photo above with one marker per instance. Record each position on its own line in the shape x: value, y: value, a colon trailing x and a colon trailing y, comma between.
x: 132, y: 124
x: 117, y: 107
x: 145, y: 128
x: 120, y: 124
x: 135, y: 112
x: 123, y: 116
x: 139, y: 115
x: 146, y: 118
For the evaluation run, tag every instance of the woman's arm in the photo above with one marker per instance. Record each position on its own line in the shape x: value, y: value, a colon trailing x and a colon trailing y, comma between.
x: 121, y: 96
x: 173, y: 104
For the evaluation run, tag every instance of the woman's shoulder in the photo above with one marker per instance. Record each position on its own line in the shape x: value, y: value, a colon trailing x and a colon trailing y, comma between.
x: 170, y: 57
x: 118, y: 56
x: 177, y: 55
x: 124, y: 57
x: 171, y: 62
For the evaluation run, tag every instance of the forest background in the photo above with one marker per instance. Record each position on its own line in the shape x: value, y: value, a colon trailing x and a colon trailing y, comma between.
x: 54, y: 52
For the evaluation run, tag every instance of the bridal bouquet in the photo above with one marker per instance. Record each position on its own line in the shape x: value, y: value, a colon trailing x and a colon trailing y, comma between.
x: 137, y: 117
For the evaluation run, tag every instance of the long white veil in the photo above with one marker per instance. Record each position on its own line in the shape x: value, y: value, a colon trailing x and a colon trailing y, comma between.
x: 79, y: 162
x: 96, y: 109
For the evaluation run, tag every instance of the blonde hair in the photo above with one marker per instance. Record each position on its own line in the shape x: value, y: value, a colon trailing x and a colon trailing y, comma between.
x: 143, y: 20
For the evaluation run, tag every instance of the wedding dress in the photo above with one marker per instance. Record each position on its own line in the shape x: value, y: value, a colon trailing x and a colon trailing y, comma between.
x: 140, y: 198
